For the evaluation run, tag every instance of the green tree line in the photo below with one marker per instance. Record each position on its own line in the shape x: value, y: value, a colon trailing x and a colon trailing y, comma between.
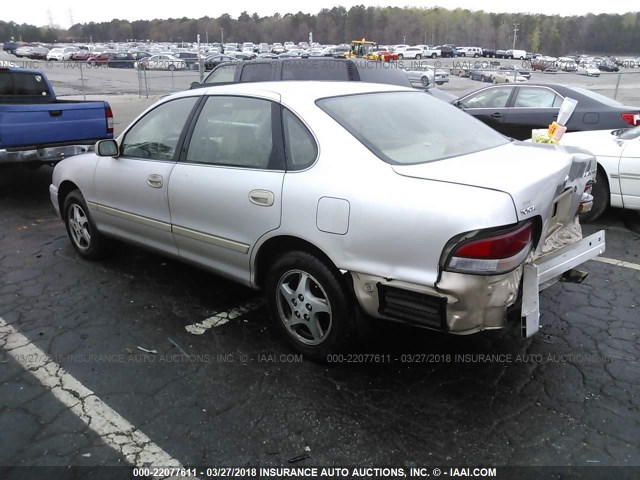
x: 549, y: 34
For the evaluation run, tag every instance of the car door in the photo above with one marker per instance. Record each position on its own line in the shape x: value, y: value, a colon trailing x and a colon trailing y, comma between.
x: 131, y: 198
x: 489, y: 105
x: 225, y: 193
x: 531, y: 107
x: 630, y: 173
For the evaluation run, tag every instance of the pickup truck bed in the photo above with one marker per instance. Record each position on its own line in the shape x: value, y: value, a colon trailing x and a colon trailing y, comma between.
x: 52, y: 124
x: 37, y: 127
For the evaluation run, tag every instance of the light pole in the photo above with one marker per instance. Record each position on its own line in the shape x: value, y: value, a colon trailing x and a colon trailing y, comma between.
x: 222, y: 36
x: 515, y: 34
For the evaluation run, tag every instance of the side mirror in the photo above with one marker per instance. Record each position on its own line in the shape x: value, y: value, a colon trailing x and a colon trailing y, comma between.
x: 107, y: 148
x: 456, y: 103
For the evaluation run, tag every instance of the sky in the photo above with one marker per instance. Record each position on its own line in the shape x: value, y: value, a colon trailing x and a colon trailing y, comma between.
x: 83, y: 11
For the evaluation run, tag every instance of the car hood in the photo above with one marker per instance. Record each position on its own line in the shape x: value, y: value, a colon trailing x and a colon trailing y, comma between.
x: 534, y: 175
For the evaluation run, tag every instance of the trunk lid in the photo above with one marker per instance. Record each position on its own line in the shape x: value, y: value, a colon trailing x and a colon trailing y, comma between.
x: 542, y: 180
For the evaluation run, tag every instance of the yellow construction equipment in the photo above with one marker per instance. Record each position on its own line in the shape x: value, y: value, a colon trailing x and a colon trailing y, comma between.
x: 363, y: 49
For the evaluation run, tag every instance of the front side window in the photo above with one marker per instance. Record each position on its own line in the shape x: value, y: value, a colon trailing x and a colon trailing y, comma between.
x: 406, y: 128
x: 233, y: 131
x: 155, y: 136
x: 489, y: 98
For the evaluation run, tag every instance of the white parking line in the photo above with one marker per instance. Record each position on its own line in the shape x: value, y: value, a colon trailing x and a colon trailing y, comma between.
x: 113, y: 429
x: 617, y: 263
x: 223, y: 317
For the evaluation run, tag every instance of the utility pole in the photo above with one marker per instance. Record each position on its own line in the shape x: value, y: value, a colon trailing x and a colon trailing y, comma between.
x: 515, y: 34
x: 222, y: 36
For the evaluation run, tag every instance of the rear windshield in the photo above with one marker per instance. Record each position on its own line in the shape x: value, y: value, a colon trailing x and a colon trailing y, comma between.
x: 598, y: 97
x: 23, y: 84
x: 383, y: 72
x: 405, y: 128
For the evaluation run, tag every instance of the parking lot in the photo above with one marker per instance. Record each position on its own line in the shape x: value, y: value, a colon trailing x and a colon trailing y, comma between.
x: 140, y: 360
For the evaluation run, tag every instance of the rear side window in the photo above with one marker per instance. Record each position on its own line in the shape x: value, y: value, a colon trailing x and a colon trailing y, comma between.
x: 310, y: 69
x: 301, y: 146
x: 257, y: 72
x: 535, y: 97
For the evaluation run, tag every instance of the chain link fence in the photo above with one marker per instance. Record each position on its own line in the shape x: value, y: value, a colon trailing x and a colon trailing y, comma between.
x: 128, y: 78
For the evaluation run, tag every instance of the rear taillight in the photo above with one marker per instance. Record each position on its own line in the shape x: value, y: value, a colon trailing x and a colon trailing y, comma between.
x: 493, y: 254
x: 632, y: 119
x: 109, y: 116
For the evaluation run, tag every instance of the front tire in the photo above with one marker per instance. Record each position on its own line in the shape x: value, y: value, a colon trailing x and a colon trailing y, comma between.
x: 310, y: 304
x: 601, y: 198
x: 82, y: 231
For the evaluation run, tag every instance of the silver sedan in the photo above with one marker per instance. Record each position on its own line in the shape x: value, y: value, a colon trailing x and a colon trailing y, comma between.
x: 338, y: 199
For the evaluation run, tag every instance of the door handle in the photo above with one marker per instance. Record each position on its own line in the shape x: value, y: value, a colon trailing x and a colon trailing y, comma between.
x: 154, y: 180
x: 55, y: 113
x: 496, y: 115
x: 262, y: 198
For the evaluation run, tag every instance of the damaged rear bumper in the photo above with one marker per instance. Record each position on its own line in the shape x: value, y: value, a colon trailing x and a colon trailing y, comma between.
x: 543, y: 271
x: 464, y: 304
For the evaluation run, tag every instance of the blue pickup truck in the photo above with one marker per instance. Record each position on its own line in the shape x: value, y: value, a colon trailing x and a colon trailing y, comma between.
x: 38, y: 128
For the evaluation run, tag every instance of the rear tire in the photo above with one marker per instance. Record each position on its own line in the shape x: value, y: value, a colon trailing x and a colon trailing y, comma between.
x: 310, y: 303
x: 601, y: 198
x: 82, y: 231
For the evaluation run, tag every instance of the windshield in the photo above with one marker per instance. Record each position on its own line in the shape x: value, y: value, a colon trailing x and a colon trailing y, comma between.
x: 406, y: 128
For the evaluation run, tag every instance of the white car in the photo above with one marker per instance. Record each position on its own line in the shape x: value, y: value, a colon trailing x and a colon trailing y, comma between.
x: 250, y: 181
x: 428, y: 51
x: 589, y: 70
x: 411, y: 52
x: 61, y: 53
x: 427, y: 75
x: 160, y: 62
x: 618, y: 178
x: 470, y: 52
x: 506, y: 77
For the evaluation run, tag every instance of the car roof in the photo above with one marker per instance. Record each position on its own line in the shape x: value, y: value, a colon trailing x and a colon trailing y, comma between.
x: 297, y: 89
